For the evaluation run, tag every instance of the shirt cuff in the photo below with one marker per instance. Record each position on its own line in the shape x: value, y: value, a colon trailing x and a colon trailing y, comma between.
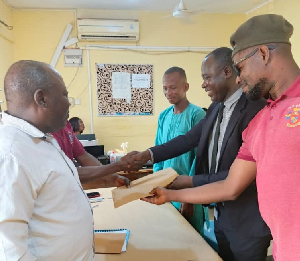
x: 151, y: 154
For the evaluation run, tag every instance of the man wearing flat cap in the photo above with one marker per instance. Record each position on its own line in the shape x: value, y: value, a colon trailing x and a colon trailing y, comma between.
x: 264, y: 64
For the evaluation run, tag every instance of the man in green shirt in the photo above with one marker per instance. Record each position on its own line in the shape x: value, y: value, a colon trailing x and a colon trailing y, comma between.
x: 177, y: 120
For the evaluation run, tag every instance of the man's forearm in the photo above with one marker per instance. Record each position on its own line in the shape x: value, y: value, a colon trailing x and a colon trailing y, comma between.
x: 203, y: 179
x: 93, y: 173
x: 241, y: 174
x: 179, y: 145
x: 181, y: 182
x: 214, y: 192
x: 87, y: 159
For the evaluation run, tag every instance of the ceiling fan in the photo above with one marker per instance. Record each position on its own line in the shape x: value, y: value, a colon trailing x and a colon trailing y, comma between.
x: 181, y: 12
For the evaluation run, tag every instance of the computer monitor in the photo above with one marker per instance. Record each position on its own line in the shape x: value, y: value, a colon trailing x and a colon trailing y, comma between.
x: 96, y: 151
x: 86, y: 137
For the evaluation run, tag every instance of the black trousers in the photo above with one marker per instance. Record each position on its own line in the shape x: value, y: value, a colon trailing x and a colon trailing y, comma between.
x: 233, y: 247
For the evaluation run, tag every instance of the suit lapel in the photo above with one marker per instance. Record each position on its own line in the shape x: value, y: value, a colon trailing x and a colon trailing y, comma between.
x: 236, y: 114
x: 207, y: 128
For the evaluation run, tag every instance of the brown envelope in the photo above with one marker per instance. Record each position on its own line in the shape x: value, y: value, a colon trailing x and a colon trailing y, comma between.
x: 141, y: 188
x: 109, y: 243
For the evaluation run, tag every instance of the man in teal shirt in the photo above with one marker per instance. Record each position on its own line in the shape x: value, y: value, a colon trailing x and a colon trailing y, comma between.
x: 177, y: 120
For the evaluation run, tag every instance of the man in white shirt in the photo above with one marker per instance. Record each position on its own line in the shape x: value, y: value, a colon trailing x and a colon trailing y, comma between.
x: 45, y: 214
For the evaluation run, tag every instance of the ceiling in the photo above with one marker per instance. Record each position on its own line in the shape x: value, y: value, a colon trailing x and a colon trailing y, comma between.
x: 206, y: 6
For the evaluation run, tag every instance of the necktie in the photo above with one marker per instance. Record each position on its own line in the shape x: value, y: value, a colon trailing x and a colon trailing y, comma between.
x: 216, y: 140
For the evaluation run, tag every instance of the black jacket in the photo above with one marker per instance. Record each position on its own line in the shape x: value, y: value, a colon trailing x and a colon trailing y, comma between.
x: 243, y: 213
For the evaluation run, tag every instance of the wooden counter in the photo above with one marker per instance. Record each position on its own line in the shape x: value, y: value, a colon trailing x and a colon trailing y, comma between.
x: 157, y: 233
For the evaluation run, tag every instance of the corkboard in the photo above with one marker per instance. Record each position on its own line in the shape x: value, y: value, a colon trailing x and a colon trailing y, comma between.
x: 141, y: 99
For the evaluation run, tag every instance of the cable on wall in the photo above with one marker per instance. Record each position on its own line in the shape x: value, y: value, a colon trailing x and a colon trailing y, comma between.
x: 152, y: 50
x: 9, y: 27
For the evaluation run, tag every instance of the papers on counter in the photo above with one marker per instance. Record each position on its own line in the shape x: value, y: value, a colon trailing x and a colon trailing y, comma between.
x: 97, y: 199
x: 111, y: 241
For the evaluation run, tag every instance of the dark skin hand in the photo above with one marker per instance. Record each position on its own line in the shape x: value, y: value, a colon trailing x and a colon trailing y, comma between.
x: 94, y: 173
x: 132, y: 165
x: 116, y: 180
x: 143, y: 156
x: 159, y: 196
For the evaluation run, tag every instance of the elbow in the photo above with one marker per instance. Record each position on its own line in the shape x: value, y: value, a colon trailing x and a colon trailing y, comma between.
x: 233, y: 194
x: 231, y: 190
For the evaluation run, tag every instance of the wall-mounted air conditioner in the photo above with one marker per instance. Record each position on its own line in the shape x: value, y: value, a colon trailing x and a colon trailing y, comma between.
x: 108, y: 30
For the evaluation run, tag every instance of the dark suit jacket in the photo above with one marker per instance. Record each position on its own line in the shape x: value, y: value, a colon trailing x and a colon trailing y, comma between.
x: 243, y: 213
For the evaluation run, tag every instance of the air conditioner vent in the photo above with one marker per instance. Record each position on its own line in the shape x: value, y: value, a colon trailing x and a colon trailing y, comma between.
x: 108, y: 30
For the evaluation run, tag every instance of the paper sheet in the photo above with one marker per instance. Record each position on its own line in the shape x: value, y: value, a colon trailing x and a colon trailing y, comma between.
x: 140, y: 80
x: 121, y: 86
x: 141, y: 188
x: 110, y: 242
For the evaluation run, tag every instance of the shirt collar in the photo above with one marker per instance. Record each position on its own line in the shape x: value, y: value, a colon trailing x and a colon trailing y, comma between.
x: 233, y: 98
x: 22, y: 125
x: 292, y: 91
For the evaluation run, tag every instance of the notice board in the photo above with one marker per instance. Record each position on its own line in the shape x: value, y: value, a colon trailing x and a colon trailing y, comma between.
x: 124, y: 89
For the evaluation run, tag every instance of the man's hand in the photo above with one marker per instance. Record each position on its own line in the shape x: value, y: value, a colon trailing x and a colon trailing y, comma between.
x: 143, y: 156
x: 159, y: 196
x: 122, y: 181
x: 181, y: 182
x: 115, y: 180
x: 187, y: 210
x: 127, y: 162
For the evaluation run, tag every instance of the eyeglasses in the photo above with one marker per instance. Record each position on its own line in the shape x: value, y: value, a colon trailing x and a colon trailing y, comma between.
x: 238, y: 70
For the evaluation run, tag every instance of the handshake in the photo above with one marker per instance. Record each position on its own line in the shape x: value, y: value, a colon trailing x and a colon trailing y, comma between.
x: 134, y: 160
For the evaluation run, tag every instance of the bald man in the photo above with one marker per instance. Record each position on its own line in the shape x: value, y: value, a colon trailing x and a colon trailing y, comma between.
x: 45, y: 214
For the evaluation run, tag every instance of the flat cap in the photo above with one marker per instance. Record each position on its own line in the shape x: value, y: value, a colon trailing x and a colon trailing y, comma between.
x: 259, y: 30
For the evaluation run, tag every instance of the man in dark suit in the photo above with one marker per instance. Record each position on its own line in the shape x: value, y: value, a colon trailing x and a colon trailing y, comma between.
x: 241, y: 233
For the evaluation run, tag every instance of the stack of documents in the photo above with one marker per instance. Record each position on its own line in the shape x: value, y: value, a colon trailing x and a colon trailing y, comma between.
x: 111, y: 241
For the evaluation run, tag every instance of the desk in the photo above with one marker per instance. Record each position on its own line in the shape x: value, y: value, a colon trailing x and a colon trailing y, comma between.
x: 157, y: 233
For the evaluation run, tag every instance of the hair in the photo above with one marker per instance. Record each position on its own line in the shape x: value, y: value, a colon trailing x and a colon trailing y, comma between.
x: 179, y: 70
x: 222, y: 57
x: 75, y: 123
x: 24, y: 77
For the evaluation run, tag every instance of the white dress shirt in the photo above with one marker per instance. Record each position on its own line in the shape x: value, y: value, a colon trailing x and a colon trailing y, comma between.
x: 229, y: 104
x: 44, y: 213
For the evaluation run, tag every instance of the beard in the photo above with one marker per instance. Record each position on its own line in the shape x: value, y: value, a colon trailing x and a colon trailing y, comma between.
x: 257, y: 91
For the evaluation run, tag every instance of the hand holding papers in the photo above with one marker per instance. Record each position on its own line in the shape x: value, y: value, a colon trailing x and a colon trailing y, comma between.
x: 142, y: 187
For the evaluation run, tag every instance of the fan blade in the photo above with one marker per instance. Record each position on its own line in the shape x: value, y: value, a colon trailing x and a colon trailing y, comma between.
x: 196, y: 11
x: 188, y: 20
x: 168, y: 16
x: 181, y: 6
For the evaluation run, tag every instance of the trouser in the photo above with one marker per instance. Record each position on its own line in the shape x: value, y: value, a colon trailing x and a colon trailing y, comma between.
x: 233, y: 247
